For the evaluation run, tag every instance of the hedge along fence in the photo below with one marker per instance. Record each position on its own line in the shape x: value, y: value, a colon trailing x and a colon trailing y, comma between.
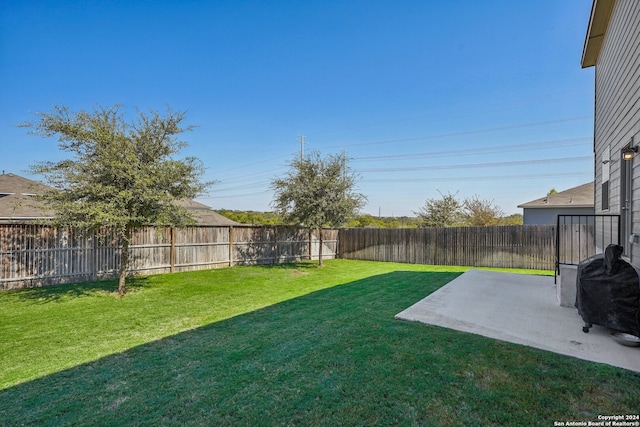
x: 39, y: 255
x: 518, y: 246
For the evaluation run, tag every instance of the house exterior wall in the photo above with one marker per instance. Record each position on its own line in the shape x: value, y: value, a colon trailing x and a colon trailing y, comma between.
x: 549, y: 216
x: 617, y: 113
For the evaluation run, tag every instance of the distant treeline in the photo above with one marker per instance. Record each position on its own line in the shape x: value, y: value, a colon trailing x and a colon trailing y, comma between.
x: 363, y: 220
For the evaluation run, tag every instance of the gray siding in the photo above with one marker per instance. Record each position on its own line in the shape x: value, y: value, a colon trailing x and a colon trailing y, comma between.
x: 617, y: 106
x: 549, y: 215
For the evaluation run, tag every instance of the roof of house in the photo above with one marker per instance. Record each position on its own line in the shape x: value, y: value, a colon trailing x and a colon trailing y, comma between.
x: 576, y: 197
x: 203, y: 213
x: 16, y: 198
x: 17, y: 203
x: 598, y: 23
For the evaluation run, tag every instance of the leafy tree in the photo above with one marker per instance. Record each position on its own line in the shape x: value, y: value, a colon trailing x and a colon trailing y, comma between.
x: 481, y: 212
x: 368, y: 220
x: 360, y: 220
x: 443, y: 212
x: 250, y: 217
x: 514, y: 219
x: 552, y: 192
x: 317, y: 192
x: 122, y: 175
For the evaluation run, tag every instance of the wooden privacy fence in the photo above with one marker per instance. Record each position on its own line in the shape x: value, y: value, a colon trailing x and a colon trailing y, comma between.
x: 528, y: 246
x: 38, y: 255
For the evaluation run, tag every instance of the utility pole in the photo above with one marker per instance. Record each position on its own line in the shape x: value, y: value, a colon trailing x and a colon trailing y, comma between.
x: 344, y: 165
x: 344, y: 172
x: 301, y: 139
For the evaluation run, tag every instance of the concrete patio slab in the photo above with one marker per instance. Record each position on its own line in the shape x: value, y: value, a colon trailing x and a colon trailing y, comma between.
x: 521, y: 309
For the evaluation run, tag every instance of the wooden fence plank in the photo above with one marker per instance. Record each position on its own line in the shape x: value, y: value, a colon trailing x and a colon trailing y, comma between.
x: 531, y: 247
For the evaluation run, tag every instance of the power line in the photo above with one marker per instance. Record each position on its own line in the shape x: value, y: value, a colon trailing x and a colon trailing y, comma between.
x: 479, y: 165
x: 458, y: 112
x: 234, y: 196
x: 256, y: 175
x: 480, y: 178
x: 222, y: 186
x: 258, y: 179
x: 259, y: 184
x: 470, y: 132
x: 395, y: 157
x: 251, y: 164
x: 527, y: 146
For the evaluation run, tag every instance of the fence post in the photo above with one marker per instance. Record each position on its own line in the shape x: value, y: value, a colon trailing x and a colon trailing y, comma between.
x: 94, y: 256
x: 275, y: 244
x: 231, y: 246
x: 172, y: 250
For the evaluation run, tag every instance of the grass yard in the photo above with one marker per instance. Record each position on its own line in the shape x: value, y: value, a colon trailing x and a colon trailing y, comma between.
x: 278, y: 345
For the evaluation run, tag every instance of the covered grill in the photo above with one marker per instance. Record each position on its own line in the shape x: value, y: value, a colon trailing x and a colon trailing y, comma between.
x: 608, y: 292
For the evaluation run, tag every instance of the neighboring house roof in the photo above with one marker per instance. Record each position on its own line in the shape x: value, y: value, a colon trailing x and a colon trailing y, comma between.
x: 203, y: 213
x: 576, y: 197
x: 598, y: 23
x: 16, y: 198
x: 17, y: 203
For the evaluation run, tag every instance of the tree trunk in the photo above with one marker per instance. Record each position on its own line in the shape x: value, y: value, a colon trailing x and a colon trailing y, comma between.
x: 124, y: 261
x: 320, y: 248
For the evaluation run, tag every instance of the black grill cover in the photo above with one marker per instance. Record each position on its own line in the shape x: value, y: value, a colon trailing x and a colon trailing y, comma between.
x: 608, y: 292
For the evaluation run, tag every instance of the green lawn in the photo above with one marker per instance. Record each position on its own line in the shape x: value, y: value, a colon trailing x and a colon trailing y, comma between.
x: 288, y: 344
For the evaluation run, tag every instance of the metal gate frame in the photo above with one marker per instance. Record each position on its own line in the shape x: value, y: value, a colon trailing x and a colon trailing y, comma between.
x: 614, y: 234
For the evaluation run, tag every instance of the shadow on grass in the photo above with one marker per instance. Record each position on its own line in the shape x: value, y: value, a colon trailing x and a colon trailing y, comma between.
x: 46, y: 294
x: 53, y: 293
x: 302, y: 265
x: 332, y: 357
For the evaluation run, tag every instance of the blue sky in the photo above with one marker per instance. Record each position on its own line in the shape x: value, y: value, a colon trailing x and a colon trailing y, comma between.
x: 470, y: 97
